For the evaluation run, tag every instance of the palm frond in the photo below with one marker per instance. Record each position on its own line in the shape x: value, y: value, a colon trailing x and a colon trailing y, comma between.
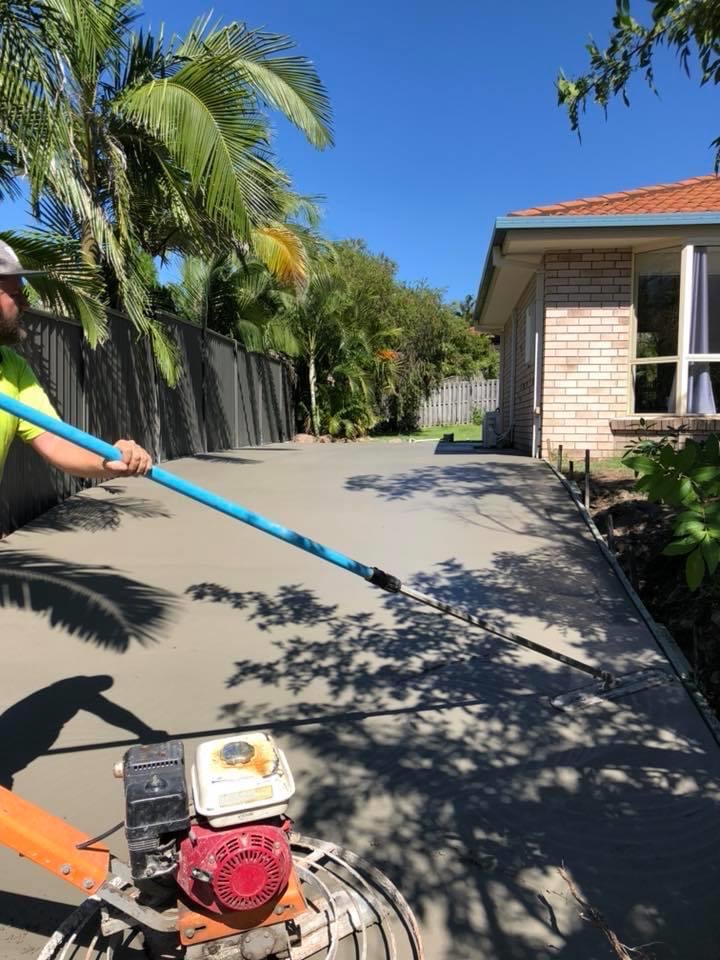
x: 251, y: 335
x: 72, y: 287
x: 202, y: 123
x: 145, y: 58
x: 300, y: 209
x: 290, y: 84
x: 93, y: 34
x: 278, y: 337
x: 165, y: 351
x: 282, y: 252
x: 9, y: 172
x: 191, y: 294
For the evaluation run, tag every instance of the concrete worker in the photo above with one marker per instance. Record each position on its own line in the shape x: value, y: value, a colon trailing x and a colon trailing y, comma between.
x: 17, y: 380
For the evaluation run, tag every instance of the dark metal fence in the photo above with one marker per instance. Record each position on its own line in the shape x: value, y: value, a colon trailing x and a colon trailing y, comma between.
x: 229, y: 399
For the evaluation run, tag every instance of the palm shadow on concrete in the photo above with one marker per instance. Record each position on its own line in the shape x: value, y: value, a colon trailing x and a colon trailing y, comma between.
x: 30, y: 727
x: 435, y: 751
x: 96, y: 604
x: 97, y: 513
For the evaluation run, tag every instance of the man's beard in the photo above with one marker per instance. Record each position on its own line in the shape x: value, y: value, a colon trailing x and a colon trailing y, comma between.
x: 11, y: 331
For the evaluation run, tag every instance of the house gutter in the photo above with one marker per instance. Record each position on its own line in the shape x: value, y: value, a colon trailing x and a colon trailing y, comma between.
x: 569, y: 222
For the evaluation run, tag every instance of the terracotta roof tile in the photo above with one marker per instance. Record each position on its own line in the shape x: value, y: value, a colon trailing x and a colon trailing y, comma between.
x: 696, y: 195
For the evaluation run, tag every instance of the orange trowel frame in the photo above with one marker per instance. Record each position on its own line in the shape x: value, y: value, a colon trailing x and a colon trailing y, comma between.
x: 51, y: 843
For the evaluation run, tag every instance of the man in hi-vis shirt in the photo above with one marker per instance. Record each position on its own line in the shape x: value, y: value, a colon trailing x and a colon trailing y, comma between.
x: 17, y: 380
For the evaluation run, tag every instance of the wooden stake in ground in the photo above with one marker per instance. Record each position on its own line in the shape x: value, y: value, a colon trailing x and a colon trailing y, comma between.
x: 611, y: 532
x: 560, y: 452
x: 587, y: 479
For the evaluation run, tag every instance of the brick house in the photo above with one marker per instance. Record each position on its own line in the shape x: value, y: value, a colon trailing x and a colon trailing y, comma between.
x: 608, y: 311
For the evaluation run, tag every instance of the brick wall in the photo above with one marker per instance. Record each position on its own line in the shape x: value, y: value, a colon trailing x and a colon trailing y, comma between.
x: 588, y: 299
x: 518, y: 413
x: 524, y: 372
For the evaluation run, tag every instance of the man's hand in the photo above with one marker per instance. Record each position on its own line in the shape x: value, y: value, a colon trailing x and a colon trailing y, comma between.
x: 135, y: 461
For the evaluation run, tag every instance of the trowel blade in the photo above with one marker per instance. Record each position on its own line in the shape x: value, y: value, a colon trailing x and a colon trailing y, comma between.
x: 592, y: 695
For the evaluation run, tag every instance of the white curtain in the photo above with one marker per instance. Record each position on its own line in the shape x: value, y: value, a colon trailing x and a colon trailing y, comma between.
x: 701, y: 398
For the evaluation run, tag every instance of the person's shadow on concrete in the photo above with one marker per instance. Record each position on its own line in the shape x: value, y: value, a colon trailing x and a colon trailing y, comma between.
x: 30, y: 727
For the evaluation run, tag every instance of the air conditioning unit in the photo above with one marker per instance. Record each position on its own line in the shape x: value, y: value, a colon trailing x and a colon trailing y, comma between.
x: 491, y: 428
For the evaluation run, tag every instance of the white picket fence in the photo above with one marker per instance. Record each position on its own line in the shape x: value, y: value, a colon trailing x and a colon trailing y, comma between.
x: 455, y: 400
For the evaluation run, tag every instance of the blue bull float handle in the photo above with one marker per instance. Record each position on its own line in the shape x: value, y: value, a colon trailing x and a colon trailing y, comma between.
x: 105, y: 450
x: 372, y: 574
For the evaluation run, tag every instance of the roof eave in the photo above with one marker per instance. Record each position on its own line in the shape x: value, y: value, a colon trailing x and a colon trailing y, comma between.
x: 562, y: 221
x: 498, y: 235
x: 569, y: 222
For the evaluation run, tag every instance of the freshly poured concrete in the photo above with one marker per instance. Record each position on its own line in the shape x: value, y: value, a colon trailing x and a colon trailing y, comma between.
x: 429, y: 748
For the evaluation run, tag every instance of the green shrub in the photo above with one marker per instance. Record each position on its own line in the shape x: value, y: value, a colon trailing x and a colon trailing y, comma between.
x: 478, y: 416
x: 689, y: 480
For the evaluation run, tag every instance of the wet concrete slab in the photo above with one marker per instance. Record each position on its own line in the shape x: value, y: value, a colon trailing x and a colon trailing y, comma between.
x: 428, y: 747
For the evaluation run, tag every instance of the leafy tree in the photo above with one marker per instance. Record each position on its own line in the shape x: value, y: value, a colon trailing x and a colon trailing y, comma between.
x: 423, y: 349
x: 132, y: 143
x: 690, y: 27
x: 434, y: 343
x: 469, y: 352
x: 371, y: 288
x: 369, y: 279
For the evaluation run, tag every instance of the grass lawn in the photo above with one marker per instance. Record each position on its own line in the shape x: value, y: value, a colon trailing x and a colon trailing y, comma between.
x: 610, y: 465
x: 462, y: 431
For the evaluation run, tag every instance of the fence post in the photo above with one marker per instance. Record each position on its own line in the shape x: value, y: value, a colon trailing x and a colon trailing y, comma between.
x: 236, y: 432
x: 560, y: 453
x: 203, y: 384
x: 84, y: 382
x: 261, y: 373
x: 157, y: 431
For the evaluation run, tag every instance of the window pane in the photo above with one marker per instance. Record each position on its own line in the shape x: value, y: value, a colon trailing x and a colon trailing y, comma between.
x: 713, y: 262
x: 703, y: 388
x: 654, y: 387
x: 658, y: 302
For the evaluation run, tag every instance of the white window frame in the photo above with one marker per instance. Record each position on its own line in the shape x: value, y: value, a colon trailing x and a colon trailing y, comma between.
x: 683, y: 358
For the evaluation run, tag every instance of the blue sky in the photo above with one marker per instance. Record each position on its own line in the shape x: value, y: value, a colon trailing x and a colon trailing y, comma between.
x: 446, y: 117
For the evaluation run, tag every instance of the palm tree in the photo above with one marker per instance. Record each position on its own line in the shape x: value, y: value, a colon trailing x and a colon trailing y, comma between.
x: 345, y: 362
x: 465, y: 308
x: 132, y: 143
x: 342, y: 360
x: 238, y: 298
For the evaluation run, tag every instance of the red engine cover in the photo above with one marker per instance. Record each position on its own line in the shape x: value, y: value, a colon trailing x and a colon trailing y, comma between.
x: 239, y: 868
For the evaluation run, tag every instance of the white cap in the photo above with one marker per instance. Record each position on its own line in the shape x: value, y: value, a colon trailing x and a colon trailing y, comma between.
x: 10, y: 266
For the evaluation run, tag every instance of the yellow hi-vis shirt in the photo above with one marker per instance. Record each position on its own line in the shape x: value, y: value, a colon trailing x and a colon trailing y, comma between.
x: 17, y: 380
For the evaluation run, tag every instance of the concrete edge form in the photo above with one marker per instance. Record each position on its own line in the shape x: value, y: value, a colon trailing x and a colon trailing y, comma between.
x: 662, y: 636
